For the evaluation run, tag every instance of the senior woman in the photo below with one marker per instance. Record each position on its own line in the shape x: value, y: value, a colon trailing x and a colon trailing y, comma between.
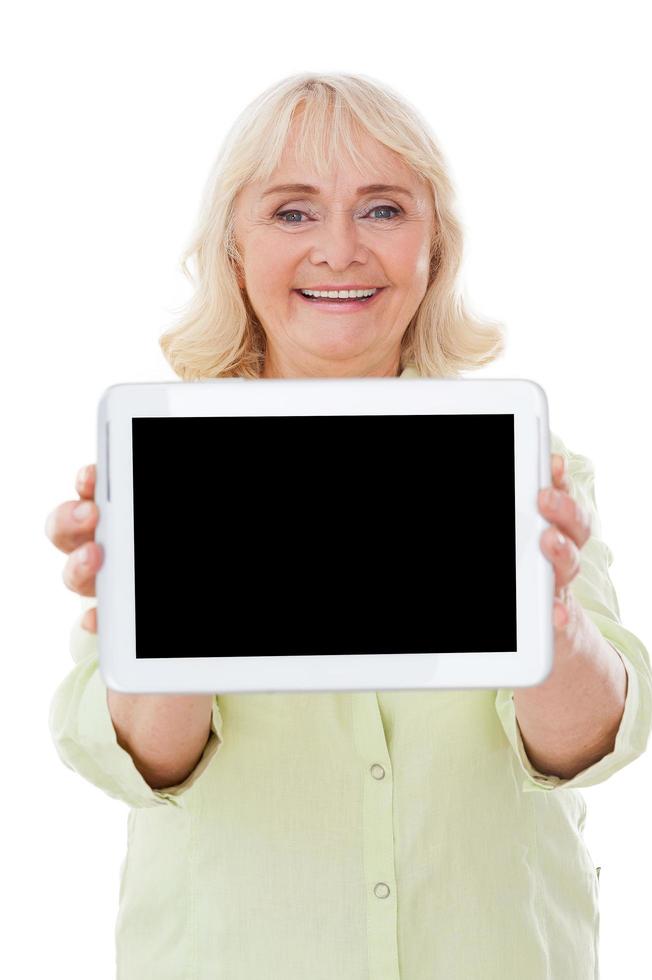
x: 354, y: 835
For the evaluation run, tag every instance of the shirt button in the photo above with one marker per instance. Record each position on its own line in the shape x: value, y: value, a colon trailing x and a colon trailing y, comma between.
x: 381, y: 890
x: 377, y: 771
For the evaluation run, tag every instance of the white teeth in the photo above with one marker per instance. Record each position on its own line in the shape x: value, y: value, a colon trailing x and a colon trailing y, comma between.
x: 339, y: 294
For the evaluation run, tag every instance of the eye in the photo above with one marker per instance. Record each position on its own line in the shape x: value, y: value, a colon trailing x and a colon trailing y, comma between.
x: 281, y: 214
x: 385, y: 207
x: 377, y: 207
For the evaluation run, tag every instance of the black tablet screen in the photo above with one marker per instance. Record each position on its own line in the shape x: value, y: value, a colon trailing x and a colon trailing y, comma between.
x: 300, y: 535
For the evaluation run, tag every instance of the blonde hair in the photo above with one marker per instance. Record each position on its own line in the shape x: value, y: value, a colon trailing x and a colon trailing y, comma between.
x: 218, y: 333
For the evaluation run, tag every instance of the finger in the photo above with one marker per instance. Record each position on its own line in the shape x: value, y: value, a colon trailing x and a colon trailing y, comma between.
x: 89, y: 620
x: 71, y: 524
x: 560, y: 472
x: 567, y: 514
x: 560, y: 614
x: 81, y: 568
x: 85, y: 481
x: 563, y: 554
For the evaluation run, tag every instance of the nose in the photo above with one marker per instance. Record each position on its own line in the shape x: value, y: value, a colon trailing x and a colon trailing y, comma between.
x: 337, y: 240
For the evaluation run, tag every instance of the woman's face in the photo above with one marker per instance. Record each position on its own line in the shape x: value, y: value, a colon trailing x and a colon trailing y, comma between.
x: 341, y: 235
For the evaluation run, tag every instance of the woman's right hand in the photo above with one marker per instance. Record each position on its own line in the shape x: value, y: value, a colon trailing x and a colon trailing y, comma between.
x: 75, y: 536
x: 165, y: 734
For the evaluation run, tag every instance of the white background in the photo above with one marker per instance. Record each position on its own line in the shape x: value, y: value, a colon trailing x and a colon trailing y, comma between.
x: 112, y: 116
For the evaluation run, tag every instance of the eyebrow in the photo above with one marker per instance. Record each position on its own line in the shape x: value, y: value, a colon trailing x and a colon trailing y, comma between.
x: 309, y: 189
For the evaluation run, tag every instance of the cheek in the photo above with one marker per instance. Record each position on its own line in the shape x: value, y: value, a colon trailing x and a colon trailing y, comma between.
x: 274, y: 272
x: 410, y: 260
x: 421, y: 263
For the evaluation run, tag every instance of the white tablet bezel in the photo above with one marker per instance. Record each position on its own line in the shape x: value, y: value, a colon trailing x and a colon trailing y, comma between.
x: 524, y: 399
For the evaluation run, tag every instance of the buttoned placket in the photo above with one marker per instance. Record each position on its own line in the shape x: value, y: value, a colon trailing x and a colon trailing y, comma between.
x: 378, y: 836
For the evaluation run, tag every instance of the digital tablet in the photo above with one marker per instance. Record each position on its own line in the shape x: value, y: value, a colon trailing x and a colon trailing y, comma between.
x: 323, y: 534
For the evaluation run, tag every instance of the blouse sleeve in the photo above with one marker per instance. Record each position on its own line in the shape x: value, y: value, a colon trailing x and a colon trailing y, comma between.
x: 85, y: 739
x: 593, y: 589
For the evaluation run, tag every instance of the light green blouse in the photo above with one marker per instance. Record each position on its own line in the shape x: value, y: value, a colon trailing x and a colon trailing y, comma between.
x: 360, y: 835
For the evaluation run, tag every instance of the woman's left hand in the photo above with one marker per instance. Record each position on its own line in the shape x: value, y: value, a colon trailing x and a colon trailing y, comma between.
x: 561, y: 543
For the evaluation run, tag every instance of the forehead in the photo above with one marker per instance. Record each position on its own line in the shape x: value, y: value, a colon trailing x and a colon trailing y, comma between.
x: 357, y: 156
x: 369, y: 162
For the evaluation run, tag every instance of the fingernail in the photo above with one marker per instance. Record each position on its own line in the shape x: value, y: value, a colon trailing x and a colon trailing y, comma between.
x: 82, y: 476
x: 82, y: 511
x: 84, y: 556
x: 558, y: 541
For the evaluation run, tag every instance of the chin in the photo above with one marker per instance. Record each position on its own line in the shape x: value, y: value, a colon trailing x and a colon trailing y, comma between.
x: 334, y: 342
x: 339, y: 352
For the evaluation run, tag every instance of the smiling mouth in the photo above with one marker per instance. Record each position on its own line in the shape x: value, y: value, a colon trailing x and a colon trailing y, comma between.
x: 340, y: 304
